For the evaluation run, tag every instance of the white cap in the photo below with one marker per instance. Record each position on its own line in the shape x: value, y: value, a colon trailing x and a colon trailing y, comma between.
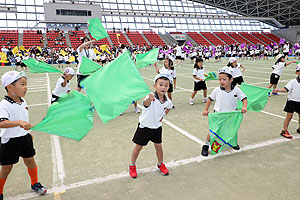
x: 298, y: 67
x: 69, y: 70
x: 279, y: 56
x: 226, y: 70
x: 11, y: 76
x: 232, y: 59
x: 160, y: 76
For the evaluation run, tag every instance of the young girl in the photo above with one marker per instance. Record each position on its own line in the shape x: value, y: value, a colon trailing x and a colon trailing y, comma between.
x: 225, y: 98
x: 60, y: 60
x: 199, y: 82
x: 169, y: 70
x: 277, y: 71
x: 237, y: 74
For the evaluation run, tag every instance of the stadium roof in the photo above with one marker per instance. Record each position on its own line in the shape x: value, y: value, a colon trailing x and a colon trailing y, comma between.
x: 287, y: 12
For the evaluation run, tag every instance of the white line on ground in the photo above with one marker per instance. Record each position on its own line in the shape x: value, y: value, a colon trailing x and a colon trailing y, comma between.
x: 39, y: 104
x: 36, y: 91
x: 272, y: 114
x: 170, y: 165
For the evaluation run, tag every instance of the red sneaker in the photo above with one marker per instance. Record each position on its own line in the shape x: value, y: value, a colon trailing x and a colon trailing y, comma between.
x: 286, y: 134
x: 163, y: 170
x: 132, y: 171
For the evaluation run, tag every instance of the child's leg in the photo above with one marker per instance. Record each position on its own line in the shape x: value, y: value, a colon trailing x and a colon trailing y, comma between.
x: 32, y: 169
x: 194, y: 94
x: 287, y: 120
x: 274, y: 86
x: 135, y: 104
x: 170, y: 95
x: 270, y: 86
x: 5, y: 170
x: 159, y: 153
x: 208, y: 138
x: 135, y: 153
x: 205, y: 93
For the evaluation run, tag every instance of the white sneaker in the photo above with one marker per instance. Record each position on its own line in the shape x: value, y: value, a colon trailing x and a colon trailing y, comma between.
x: 136, y: 110
x: 204, y: 100
x: 191, y: 101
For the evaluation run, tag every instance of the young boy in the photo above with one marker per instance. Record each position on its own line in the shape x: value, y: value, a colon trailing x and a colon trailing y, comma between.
x: 16, y: 140
x: 293, y: 103
x: 63, y: 84
x: 155, y: 106
x: 225, y: 97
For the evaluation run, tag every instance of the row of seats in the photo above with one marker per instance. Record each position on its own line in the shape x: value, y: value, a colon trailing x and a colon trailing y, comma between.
x: 154, y: 38
x: 8, y: 37
x: 75, y: 38
x: 31, y: 38
x: 136, y: 38
x: 52, y: 35
x: 114, y: 38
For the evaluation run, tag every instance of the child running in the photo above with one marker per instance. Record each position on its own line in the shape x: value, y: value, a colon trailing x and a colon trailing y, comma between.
x: 237, y: 74
x: 277, y: 71
x: 293, y: 103
x: 155, y: 107
x: 225, y: 97
x: 16, y: 140
x: 199, y: 82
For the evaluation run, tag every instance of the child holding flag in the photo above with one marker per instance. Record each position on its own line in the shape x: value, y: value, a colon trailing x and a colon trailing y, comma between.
x: 155, y: 107
x: 237, y: 74
x: 16, y: 140
x: 199, y: 82
x: 225, y: 97
x: 293, y: 103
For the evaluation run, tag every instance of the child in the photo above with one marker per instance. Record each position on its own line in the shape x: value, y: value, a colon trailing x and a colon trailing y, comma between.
x: 171, y: 73
x: 60, y: 60
x: 155, y: 106
x: 18, y: 61
x: 277, y: 71
x: 199, y: 82
x: 66, y: 59
x: 293, y: 103
x: 63, y: 84
x: 16, y: 140
x: 226, y: 100
x: 237, y: 74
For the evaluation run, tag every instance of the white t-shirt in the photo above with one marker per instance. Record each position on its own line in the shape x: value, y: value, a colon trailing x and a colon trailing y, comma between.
x: 152, y: 114
x: 237, y: 71
x: 66, y: 58
x: 178, y: 51
x: 293, y: 87
x: 171, y: 74
x: 18, y: 59
x: 89, y: 53
x: 286, y: 48
x: 226, y: 101
x: 12, y: 111
x: 278, y: 68
x: 198, y: 73
x: 59, y: 89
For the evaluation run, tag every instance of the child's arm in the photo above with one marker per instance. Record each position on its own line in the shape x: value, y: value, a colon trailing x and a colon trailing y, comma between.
x: 205, y: 112
x: 196, y: 77
x: 67, y: 78
x: 150, y: 98
x: 85, y: 44
x: 11, y: 124
x: 243, y: 68
x: 245, y: 102
x: 156, y: 68
x: 280, y: 90
x: 290, y: 62
x: 174, y: 83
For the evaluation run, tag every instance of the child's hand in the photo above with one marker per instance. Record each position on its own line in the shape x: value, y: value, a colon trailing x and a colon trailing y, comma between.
x: 275, y: 90
x: 205, y: 113
x: 161, y: 119
x: 68, y: 77
x: 151, y: 96
x: 25, y: 125
x: 244, y: 110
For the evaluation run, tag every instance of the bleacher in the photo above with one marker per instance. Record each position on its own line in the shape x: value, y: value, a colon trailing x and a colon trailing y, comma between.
x: 225, y: 38
x: 272, y: 37
x: 262, y: 37
x: 136, y: 38
x: 238, y: 37
x: 103, y: 41
x: 113, y: 37
x: 75, y: 38
x: 10, y: 36
x: 31, y: 38
x: 251, y: 38
x: 198, y: 38
x: 212, y: 38
x: 51, y: 35
x: 154, y: 38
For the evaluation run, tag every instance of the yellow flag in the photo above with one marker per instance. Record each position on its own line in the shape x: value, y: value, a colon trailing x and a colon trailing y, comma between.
x: 22, y: 48
x: 15, y: 50
x: 71, y: 59
x: 3, y: 58
x: 39, y: 48
x: 107, y: 51
x: 96, y: 51
x: 28, y: 49
x: 103, y: 47
x: 118, y: 35
x: 62, y: 52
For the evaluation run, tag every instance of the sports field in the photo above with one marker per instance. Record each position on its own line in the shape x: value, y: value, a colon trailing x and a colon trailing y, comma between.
x: 266, y: 167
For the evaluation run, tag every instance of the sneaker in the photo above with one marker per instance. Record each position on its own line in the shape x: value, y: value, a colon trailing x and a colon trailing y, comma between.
x: 286, y: 134
x: 39, y: 188
x: 204, y: 100
x: 136, y: 110
x: 237, y: 147
x: 204, y: 151
x: 191, y: 101
x: 163, y: 170
x: 275, y: 93
x: 298, y: 130
x: 132, y: 171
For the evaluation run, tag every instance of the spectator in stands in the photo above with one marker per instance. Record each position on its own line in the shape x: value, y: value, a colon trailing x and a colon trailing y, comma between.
x: 41, y: 39
x: 3, y: 38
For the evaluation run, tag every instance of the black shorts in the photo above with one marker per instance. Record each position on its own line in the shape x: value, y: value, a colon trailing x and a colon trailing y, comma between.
x: 216, y: 57
x: 206, y: 58
x: 54, y: 98
x: 170, y: 88
x: 192, y: 58
x: 238, y: 80
x: 143, y: 135
x: 285, y: 53
x: 23, y: 65
x: 80, y: 78
x: 201, y: 85
x: 275, y: 54
x: 67, y: 62
x: 274, y: 78
x: 15, y: 148
x: 60, y: 62
x: 292, y: 106
x: 18, y: 64
x: 103, y: 61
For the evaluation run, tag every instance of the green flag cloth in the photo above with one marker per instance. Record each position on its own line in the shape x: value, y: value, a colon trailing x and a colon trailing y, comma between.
x: 88, y: 66
x: 40, y: 67
x: 257, y: 97
x: 145, y: 59
x: 223, y: 128
x: 96, y: 29
x: 211, y: 76
x: 113, y: 88
x: 71, y: 116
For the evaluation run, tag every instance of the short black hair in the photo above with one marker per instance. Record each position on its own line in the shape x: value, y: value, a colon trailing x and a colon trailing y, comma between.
x: 13, y: 83
x: 82, y: 40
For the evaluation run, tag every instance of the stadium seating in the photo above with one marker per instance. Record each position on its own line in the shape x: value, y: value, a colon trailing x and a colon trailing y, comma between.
x: 113, y: 37
x: 262, y: 37
x: 103, y: 41
x: 272, y: 37
x: 238, y: 37
x: 251, y: 38
x: 75, y: 38
x: 10, y: 36
x: 225, y: 38
x: 31, y: 38
x: 136, y: 38
x: 154, y: 39
x: 51, y: 35
x: 198, y: 38
x: 212, y: 38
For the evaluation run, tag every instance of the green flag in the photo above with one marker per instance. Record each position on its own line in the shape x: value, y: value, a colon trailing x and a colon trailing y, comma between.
x: 88, y: 66
x: 211, y: 76
x: 71, y: 116
x: 223, y: 128
x: 113, y: 88
x: 145, y: 59
x: 40, y: 67
x: 96, y: 29
x: 257, y: 97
